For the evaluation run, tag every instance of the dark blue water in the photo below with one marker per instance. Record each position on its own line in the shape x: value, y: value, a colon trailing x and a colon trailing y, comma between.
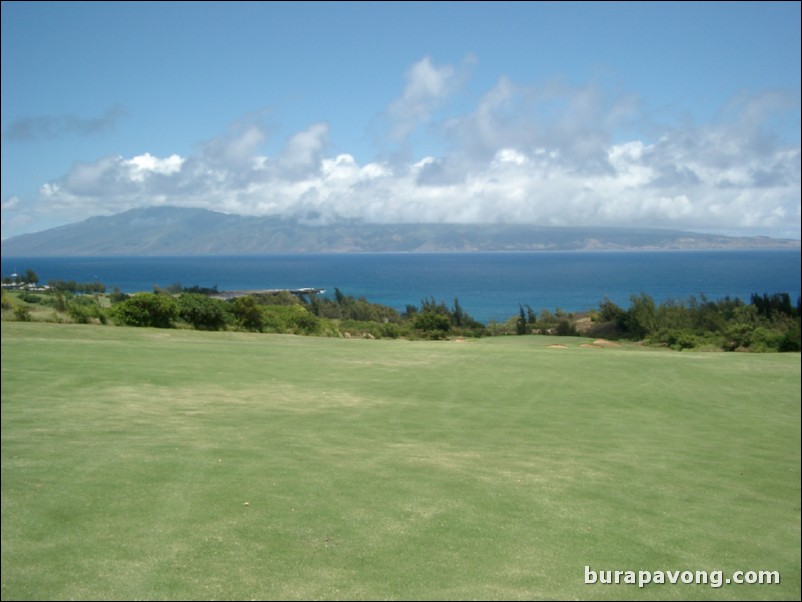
x: 489, y: 285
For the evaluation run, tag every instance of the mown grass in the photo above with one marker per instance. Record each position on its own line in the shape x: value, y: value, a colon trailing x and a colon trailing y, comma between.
x: 154, y: 464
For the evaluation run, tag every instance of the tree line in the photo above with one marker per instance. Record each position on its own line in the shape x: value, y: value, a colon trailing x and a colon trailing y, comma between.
x: 767, y: 322
x: 285, y: 312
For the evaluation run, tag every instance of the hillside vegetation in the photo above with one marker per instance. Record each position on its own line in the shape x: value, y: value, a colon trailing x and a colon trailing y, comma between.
x: 764, y: 323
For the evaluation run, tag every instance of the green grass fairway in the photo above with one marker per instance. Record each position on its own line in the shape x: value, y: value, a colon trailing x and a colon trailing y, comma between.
x: 169, y: 464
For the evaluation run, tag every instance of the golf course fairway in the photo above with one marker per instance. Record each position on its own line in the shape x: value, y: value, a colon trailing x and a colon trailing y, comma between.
x: 178, y: 464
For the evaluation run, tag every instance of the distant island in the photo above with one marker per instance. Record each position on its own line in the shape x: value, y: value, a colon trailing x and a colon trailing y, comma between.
x: 174, y: 231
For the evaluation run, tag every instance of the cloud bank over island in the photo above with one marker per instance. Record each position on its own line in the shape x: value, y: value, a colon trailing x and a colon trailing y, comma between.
x: 552, y: 154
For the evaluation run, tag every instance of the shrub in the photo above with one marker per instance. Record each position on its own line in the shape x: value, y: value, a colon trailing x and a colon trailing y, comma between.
x: 361, y: 328
x: 204, y: 313
x: 791, y: 341
x: 247, y: 313
x: 390, y: 330
x: 434, y: 325
x: 30, y: 297
x: 766, y: 339
x: 289, y: 319
x: 674, y: 338
x: 305, y: 323
x: 146, y: 309
x: 566, y: 329
x: 83, y: 309
x: 22, y: 313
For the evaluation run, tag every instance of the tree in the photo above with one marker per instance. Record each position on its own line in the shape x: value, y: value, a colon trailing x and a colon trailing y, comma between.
x: 410, y: 311
x: 457, y: 313
x: 641, y: 318
x: 431, y: 306
x: 531, y: 317
x: 610, y: 312
x: 30, y: 277
x: 520, y: 324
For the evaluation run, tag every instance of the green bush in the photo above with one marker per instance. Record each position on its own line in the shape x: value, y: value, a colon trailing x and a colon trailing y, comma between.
x: 22, y: 313
x: 766, y: 339
x: 289, y: 319
x: 30, y: 297
x: 247, y: 313
x: 390, y: 330
x: 362, y: 328
x: 305, y: 323
x: 83, y: 309
x: 203, y: 312
x: 791, y: 341
x: 146, y: 309
x: 566, y: 329
x: 433, y: 325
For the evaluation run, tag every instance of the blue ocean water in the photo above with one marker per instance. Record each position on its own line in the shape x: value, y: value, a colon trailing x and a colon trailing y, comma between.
x: 489, y: 286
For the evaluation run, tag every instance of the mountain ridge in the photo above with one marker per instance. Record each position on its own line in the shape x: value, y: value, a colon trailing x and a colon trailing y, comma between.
x: 177, y: 231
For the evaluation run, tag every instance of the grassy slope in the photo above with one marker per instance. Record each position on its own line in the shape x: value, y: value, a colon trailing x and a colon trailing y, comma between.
x: 495, y: 468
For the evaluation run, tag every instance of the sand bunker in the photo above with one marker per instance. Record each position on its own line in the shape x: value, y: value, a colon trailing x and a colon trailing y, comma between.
x: 599, y: 344
x: 605, y: 343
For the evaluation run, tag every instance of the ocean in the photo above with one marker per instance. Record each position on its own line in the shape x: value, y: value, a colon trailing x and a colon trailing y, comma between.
x: 489, y: 286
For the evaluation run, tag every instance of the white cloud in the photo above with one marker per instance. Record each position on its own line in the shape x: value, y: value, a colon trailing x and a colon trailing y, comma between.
x: 509, y: 155
x: 234, y: 150
x: 11, y: 203
x: 547, y: 155
x: 142, y: 166
x: 428, y: 86
x: 303, y: 152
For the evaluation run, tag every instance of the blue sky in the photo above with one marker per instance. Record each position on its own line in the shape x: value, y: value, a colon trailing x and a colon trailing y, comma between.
x: 668, y: 115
